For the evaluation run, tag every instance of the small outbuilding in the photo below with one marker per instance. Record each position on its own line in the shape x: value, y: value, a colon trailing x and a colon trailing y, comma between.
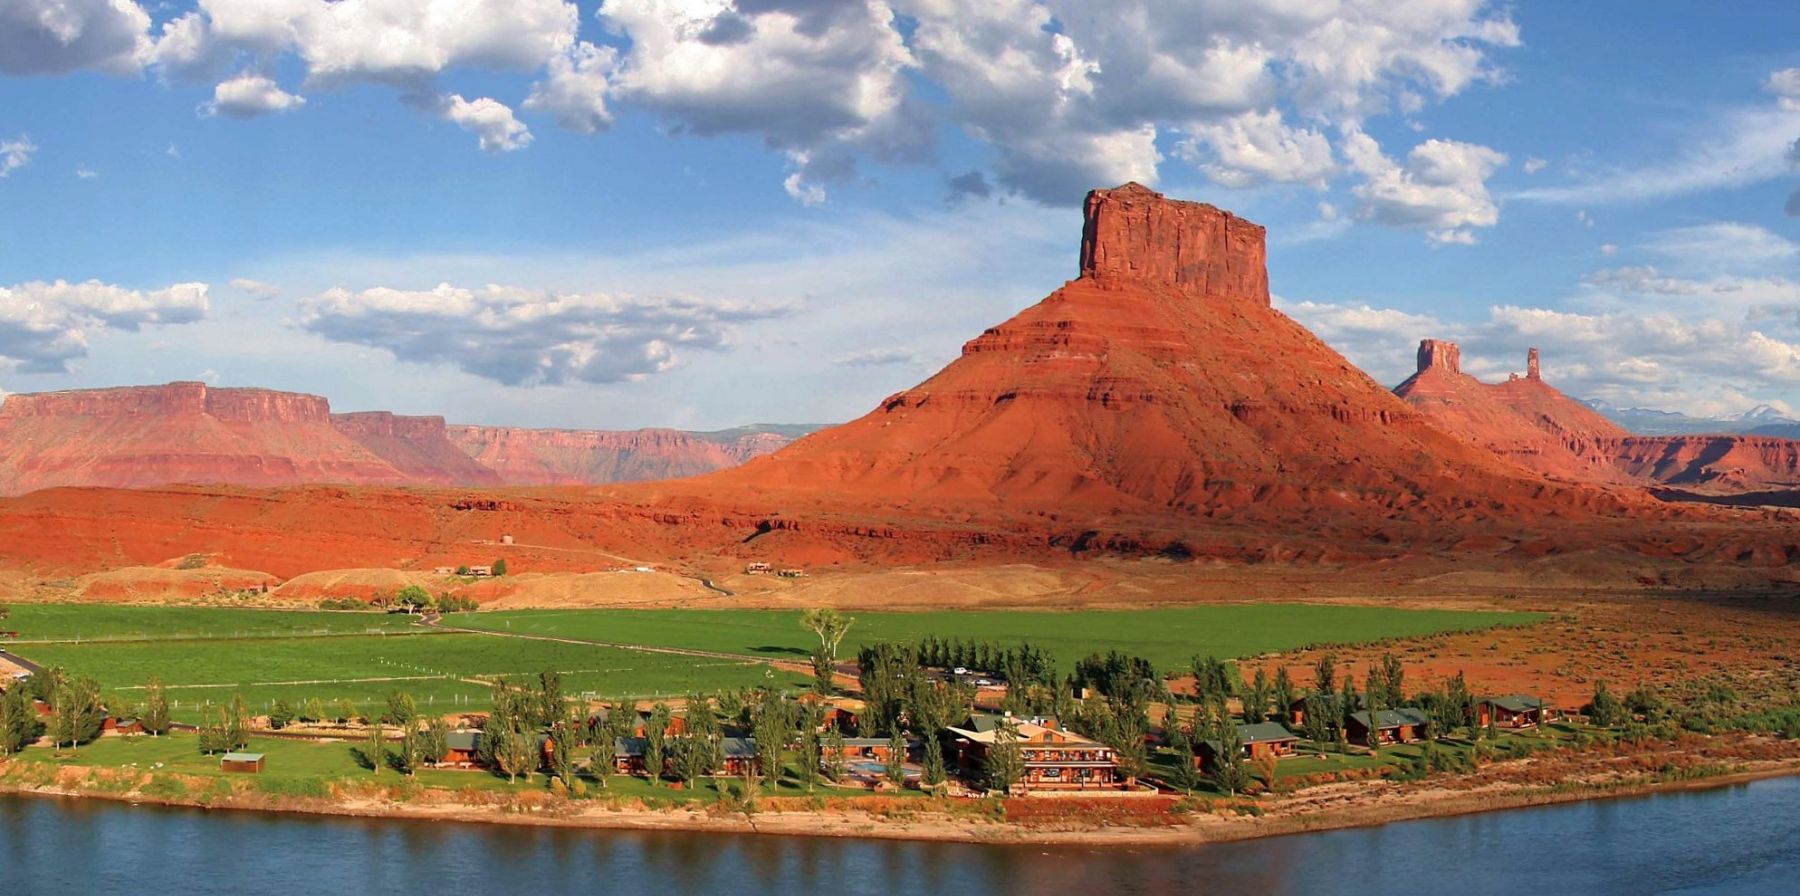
x: 245, y: 763
x: 1511, y: 711
x: 1390, y: 726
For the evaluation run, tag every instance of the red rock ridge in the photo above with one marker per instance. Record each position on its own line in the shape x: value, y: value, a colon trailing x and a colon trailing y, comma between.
x: 1135, y: 234
x: 418, y: 447
x: 591, y: 457
x: 1535, y: 425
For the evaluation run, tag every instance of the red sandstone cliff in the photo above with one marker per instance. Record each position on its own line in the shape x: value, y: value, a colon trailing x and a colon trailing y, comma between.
x: 592, y: 457
x: 1535, y: 425
x: 1158, y: 381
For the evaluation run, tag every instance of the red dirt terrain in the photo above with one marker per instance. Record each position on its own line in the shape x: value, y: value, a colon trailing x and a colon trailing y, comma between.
x: 1154, y: 406
x: 1533, y: 424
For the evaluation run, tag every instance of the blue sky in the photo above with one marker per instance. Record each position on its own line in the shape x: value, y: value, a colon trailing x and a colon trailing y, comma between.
x: 700, y: 213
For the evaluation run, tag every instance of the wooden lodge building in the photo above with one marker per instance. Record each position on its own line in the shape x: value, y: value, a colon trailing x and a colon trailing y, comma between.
x: 461, y: 749
x: 1391, y: 726
x: 1260, y: 740
x: 860, y: 749
x: 1053, y: 759
x: 1511, y: 711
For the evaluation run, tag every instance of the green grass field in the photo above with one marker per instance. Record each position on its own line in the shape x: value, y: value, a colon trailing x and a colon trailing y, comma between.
x: 1169, y: 637
x: 203, y: 655
x: 51, y: 622
x: 447, y: 671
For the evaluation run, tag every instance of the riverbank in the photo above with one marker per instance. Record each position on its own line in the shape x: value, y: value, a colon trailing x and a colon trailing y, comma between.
x: 1688, y: 763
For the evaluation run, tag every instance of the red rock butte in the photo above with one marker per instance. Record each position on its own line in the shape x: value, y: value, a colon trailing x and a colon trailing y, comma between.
x: 1536, y: 426
x: 1156, y: 404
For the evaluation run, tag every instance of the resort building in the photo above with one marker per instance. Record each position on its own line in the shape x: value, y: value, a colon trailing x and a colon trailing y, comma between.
x: 1260, y: 740
x: 1511, y: 711
x: 1391, y: 726
x: 462, y: 748
x: 1053, y: 759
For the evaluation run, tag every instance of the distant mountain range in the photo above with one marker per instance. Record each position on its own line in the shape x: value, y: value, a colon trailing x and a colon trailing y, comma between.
x: 1764, y: 420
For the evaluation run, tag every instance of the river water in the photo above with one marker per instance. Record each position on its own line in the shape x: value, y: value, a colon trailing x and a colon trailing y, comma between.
x: 1736, y: 840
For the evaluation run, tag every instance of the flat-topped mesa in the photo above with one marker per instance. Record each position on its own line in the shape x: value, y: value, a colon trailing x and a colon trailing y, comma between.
x: 1133, y: 232
x: 1440, y: 354
x: 385, y: 424
x: 171, y: 400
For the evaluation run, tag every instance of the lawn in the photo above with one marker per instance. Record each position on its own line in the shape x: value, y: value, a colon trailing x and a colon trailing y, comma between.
x: 304, y: 767
x: 49, y: 622
x: 441, y: 671
x: 1169, y: 637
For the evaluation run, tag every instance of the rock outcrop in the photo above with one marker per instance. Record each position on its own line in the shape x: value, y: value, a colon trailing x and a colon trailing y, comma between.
x: 1533, y: 424
x: 593, y: 457
x: 1133, y: 235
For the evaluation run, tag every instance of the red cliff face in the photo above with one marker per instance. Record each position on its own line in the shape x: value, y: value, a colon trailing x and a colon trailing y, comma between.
x: 1159, y: 382
x: 1135, y: 234
x: 1535, y: 425
x: 591, y: 457
x: 189, y: 432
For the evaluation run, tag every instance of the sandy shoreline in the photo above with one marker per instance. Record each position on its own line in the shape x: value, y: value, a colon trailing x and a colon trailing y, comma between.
x: 1380, y: 804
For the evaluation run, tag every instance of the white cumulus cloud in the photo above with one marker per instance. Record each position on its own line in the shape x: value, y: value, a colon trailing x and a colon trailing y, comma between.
x: 248, y: 95
x: 53, y: 37
x: 15, y: 154
x: 518, y: 336
x: 489, y: 120
x: 44, y: 326
x: 1441, y: 189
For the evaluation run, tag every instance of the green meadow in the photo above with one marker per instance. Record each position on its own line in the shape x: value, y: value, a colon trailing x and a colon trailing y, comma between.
x: 1169, y: 636
x: 204, y: 655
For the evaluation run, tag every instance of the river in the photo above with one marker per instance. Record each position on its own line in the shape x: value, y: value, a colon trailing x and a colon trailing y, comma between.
x: 1742, y: 839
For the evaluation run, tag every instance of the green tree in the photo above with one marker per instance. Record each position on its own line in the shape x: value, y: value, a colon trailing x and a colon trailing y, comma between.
x: 834, y: 754
x: 656, y: 741
x: 413, y: 599
x: 563, y: 735
x: 771, y: 725
x: 436, y: 742
x: 1227, y: 770
x: 807, y: 763
x: 603, y: 758
x: 401, y: 710
x: 1606, y: 710
x: 19, y: 724
x: 1256, y: 699
x: 281, y: 715
x: 499, y: 567
x: 156, y: 709
x: 77, y: 712
x: 1325, y: 674
x: 374, y: 748
x: 1183, y: 742
x: 237, y: 723
x: 346, y: 711
x: 551, y: 706
x: 1393, y: 680
x: 1212, y: 678
x: 313, y: 711
x: 830, y: 626
x: 896, y: 763
x: 515, y: 753
x: 412, y: 751
x: 1005, y: 762
x: 1284, y: 694
x: 212, y: 731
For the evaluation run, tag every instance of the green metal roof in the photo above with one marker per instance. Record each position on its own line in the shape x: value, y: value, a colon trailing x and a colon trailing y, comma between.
x: 1515, y: 702
x: 1264, y: 732
x: 241, y: 757
x: 1393, y: 718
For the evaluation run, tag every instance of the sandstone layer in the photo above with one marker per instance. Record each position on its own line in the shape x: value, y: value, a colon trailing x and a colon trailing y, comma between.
x: 591, y: 457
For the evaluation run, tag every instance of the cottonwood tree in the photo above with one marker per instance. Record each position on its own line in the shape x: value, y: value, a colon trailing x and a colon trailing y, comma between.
x: 1228, y: 772
x: 656, y: 744
x: 1283, y: 693
x: 237, y: 723
x: 896, y: 763
x: 563, y: 736
x: 76, y: 712
x: 603, y: 757
x: 830, y: 626
x: 515, y: 753
x: 834, y: 754
x: 156, y: 709
x: 401, y: 710
x: 374, y: 748
x: 771, y: 724
x: 1607, y: 710
x: 412, y: 751
x: 436, y: 743
x: 280, y: 715
x: 807, y: 764
x: 1005, y: 763
x: 19, y: 725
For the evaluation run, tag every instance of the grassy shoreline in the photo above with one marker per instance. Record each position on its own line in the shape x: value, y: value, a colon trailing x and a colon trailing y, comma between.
x: 1082, y: 821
